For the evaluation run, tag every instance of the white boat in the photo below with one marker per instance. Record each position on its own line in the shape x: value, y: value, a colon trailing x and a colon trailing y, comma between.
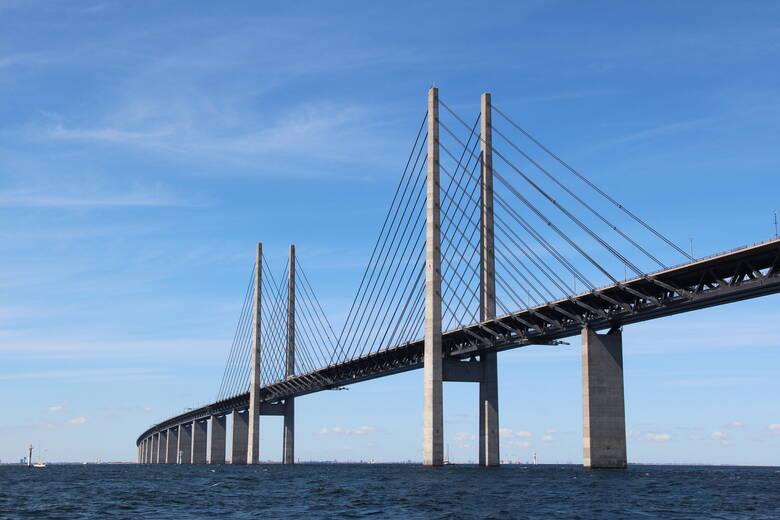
x: 31, y: 464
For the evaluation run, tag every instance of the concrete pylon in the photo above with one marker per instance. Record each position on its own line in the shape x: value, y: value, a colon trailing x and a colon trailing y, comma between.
x: 162, y: 450
x: 163, y: 457
x: 173, y: 445
x: 288, y: 449
x: 253, y: 450
x: 488, y: 385
x: 156, y: 448
x: 433, y: 405
x: 603, y: 407
x: 184, y: 455
x: 199, y: 443
x: 240, y: 427
x: 218, y: 438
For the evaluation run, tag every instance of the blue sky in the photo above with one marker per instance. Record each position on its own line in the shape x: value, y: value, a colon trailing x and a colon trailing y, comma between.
x: 145, y: 147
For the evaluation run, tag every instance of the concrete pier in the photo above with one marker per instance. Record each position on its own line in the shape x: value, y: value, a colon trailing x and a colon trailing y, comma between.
x: 253, y: 449
x: 199, y: 441
x: 288, y: 451
x: 185, y: 444
x: 218, y: 437
x: 173, y: 445
x: 155, y: 448
x: 433, y: 405
x: 240, y: 430
x: 603, y: 407
x: 162, y: 457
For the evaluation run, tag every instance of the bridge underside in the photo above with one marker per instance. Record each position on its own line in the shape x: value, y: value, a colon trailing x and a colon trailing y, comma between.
x: 741, y: 274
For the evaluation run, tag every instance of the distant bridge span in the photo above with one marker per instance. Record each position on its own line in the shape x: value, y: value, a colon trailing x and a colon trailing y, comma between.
x: 467, y: 351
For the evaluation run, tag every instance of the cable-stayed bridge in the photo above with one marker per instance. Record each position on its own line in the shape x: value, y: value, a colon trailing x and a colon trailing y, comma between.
x: 491, y: 242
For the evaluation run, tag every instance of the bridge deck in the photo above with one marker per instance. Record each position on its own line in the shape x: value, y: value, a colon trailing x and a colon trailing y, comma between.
x: 744, y: 273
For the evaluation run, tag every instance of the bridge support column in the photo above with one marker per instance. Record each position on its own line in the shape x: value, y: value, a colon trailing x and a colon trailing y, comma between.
x: 148, y: 450
x: 217, y: 455
x: 488, y: 385
x: 163, y: 456
x: 288, y: 449
x: 156, y: 448
x: 433, y: 404
x: 253, y: 451
x: 288, y: 455
x: 184, y: 453
x: 488, y: 411
x: 199, y: 433
x: 240, y: 438
x: 603, y: 407
x: 173, y: 445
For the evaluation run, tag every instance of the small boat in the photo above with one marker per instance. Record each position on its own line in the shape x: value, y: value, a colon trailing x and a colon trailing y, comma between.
x: 30, y: 463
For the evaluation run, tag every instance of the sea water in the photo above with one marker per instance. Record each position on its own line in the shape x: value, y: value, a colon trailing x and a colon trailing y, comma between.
x: 328, y: 491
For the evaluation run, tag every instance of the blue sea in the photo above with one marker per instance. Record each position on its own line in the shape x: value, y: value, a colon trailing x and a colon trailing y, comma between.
x: 387, y: 491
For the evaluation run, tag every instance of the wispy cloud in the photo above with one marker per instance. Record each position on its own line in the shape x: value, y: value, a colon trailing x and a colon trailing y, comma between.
x: 87, y: 374
x: 665, y: 130
x: 101, y: 349
x: 508, y: 433
x: 28, y: 198
x: 657, y: 437
x: 338, y: 430
x: 520, y: 444
x: 56, y: 408
x: 310, y: 132
x: 76, y: 421
x: 464, y: 436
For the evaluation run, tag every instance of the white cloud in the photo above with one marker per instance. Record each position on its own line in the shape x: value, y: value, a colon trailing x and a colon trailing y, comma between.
x: 56, y: 408
x: 735, y: 424
x: 520, y: 444
x: 124, y: 374
x: 657, y: 437
x: 338, y: 430
x: 665, y: 130
x: 775, y: 427
x: 547, y: 438
x: 509, y: 433
x: 63, y: 199
x: 464, y: 436
x: 77, y: 420
x: 718, y: 435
